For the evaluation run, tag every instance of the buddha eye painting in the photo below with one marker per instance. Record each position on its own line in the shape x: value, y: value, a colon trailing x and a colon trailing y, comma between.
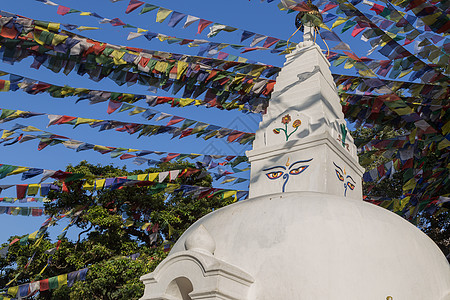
x: 349, y: 182
x: 287, y: 170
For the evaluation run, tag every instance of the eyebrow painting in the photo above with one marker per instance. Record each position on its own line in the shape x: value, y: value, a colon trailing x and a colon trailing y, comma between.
x: 295, y: 168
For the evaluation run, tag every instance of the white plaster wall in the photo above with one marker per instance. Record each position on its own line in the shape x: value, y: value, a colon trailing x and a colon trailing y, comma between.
x: 316, y: 246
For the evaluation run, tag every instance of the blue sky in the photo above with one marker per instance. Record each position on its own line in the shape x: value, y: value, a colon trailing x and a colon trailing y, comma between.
x: 264, y: 18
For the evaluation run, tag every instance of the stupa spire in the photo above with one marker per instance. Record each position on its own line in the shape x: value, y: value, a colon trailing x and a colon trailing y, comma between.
x: 303, y: 143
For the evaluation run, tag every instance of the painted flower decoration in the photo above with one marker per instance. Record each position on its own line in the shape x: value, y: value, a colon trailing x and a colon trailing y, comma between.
x: 286, y: 119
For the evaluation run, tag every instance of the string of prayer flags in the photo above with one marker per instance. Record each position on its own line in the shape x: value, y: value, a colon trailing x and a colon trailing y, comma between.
x: 393, y: 50
x: 22, y: 211
x: 221, y: 85
x: 163, y: 14
x: 34, y: 87
x: 24, y: 200
x: 215, y: 28
x: 30, y: 289
x: 207, y: 130
x: 24, y: 190
x: 206, y: 160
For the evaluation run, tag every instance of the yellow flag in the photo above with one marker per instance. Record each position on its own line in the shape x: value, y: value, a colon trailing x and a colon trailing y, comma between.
x: 140, y: 30
x: 62, y: 280
x: 19, y: 170
x: 162, y: 14
x: 404, y: 73
x: 339, y: 21
x: 32, y: 236
x: 181, y: 67
x: 33, y: 189
x: 82, y: 28
x: 99, y: 184
x: 228, y: 180
x: 152, y: 176
x: 30, y: 128
x: 88, y: 186
x: 101, y: 148
x: 142, y: 177
x: 412, y: 136
x: 186, y: 101
x: 84, y: 121
x: 409, y: 185
x: 58, y: 39
x: 7, y: 133
x: 145, y: 226
x: 12, y: 291
x: 6, y: 86
x: 85, y: 13
x: 238, y: 78
x: 137, y: 110
x: 228, y: 194
x: 443, y: 144
x: 161, y: 66
x: 256, y: 72
x: 54, y: 26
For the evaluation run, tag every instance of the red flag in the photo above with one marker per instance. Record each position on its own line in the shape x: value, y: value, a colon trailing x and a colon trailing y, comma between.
x: 234, y: 135
x: 356, y: 30
x: 9, y: 33
x: 175, y: 120
x: 186, y: 132
x: 328, y: 7
x: 202, y: 25
x: 44, y: 286
x: 14, y: 241
x: 21, y: 190
x: 381, y: 170
x: 113, y: 106
x: 249, y: 49
x: 269, y: 88
x: 126, y: 156
x: 352, y: 56
x: 377, y: 8
x: 169, y: 157
x: 133, y: 5
x: 117, y: 22
x: 62, y: 10
x: 270, y: 41
x: 63, y: 120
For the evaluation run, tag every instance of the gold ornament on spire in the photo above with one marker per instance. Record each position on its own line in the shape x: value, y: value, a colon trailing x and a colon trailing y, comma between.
x: 314, y: 11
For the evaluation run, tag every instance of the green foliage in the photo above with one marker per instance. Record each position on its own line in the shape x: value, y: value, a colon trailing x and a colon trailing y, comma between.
x: 109, y: 226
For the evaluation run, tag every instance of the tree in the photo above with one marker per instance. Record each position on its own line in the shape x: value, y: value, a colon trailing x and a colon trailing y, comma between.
x: 123, y: 232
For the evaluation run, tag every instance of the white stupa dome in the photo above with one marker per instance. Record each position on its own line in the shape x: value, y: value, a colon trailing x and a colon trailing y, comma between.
x: 306, y: 245
x: 305, y: 232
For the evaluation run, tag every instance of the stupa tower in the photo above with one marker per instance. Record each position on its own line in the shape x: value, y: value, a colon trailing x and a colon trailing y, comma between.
x: 303, y: 143
x: 304, y: 233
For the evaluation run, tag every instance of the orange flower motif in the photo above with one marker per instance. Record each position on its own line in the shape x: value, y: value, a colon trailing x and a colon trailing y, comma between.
x: 296, y: 123
x: 286, y: 119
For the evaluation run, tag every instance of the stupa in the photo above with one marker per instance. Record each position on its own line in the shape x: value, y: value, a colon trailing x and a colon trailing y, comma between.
x: 305, y: 232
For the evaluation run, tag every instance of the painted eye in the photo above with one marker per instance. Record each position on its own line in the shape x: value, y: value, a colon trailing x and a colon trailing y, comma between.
x: 274, y: 175
x: 339, y: 175
x: 298, y: 170
x: 350, y: 185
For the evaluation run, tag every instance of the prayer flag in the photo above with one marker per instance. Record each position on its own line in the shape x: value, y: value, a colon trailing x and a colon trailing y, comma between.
x: 134, y: 4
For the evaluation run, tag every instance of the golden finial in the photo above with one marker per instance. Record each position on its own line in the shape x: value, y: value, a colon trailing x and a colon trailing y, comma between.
x: 314, y: 10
